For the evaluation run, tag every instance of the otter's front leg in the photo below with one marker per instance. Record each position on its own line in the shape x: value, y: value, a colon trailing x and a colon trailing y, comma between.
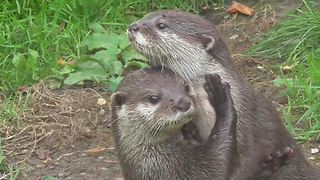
x: 223, y: 135
x: 273, y: 163
x: 220, y: 98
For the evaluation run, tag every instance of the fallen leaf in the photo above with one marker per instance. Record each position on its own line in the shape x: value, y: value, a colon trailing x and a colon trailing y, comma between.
x: 312, y: 158
x: 23, y: 89
x: 288, y: 67
x: 237, y: 7
x: 48, y: 161
x: 101, y: 101
x: 314, y: 150
x: 95, y: 151
x: 61, y: 61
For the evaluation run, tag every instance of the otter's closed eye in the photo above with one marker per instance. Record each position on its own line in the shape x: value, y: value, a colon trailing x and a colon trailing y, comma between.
x: 154, y: 99
x: 161, y: 26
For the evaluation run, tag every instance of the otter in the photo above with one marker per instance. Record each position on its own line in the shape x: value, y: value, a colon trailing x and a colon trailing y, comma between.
x: 190, y: 46
x: 147, y: 128
x: 149, y: 110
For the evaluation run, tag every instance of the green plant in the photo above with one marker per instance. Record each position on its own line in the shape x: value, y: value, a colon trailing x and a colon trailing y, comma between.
x: 111, y: 55
x: 293, y: 38
x: 296, y: 40
x: 34, y: 34
x: 6, y: 171
x: 303, y: 90
x: 1, y: 158
x: 37, y: 33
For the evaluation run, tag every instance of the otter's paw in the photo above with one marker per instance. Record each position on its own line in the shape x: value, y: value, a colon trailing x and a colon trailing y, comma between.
x: 219, y: 95
x: 275, y: 161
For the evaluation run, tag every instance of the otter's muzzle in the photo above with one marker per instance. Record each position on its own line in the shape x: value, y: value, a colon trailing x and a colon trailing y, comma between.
x: 133, y: 28
x: 183, y: 104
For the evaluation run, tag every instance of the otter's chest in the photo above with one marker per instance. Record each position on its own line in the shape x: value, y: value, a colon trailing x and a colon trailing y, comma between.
x: 154, y: 163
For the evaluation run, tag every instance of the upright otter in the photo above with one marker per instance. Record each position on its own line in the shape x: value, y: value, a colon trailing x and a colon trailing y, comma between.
x: 149, y: 110
x: 190, y: 46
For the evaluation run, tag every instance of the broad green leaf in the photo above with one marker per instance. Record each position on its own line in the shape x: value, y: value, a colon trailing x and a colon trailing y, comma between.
x: 117, y: 67
x: 136, y: 64
x: 101, y: 40
x: 106, y: 58
x: 17, y: 58
x: 32, y: 64
x: 66, y: 70
x: 131, y: 54
x: 107, y: 55
x: 89, y: 65
x: 96, y: 27
x: 114, y: 83
x: 123, y: 41
x: 88, y: 74
x: 33, y: 54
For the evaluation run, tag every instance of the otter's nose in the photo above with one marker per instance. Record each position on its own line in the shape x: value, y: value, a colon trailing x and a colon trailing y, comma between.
x: 134, y: 27
x: 182, y: 105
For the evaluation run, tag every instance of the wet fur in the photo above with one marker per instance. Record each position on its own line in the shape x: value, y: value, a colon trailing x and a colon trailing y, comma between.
x: 146, y: 157
x: 184, y: 47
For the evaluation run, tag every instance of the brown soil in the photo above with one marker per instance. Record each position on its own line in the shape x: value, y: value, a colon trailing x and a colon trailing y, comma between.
x: 64, y: 133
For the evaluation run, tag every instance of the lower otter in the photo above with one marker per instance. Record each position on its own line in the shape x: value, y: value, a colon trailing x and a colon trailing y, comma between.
x: 190, y: 46
x: 149, y: 110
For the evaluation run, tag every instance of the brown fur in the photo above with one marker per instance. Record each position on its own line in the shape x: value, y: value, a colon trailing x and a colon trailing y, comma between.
x: 190, y: 46
x: 159, y: 153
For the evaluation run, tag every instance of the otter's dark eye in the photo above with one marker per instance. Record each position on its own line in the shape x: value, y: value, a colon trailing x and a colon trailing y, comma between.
x: 161, y: 26
x: 154, y: 99
x: 186, y: 87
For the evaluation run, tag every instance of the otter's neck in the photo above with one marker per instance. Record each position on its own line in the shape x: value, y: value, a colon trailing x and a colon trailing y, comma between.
x: 133, y: 140
x: 143, y: 157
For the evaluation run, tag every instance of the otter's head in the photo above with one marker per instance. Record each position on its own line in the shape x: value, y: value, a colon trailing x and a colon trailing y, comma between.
x: 181, y: 41
x: 152, y: 103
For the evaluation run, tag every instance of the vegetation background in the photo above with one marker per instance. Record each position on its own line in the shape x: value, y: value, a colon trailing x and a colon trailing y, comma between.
x: 77, y: 42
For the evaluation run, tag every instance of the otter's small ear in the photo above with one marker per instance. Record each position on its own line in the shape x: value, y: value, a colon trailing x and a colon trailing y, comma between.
x: 207, y: 41
x: 118, y: 99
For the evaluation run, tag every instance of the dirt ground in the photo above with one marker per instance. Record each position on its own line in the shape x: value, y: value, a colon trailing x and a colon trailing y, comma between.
x: 64, y: 133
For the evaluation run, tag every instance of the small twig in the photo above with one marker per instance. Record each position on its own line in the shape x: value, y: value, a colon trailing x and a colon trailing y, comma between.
x: 68, y: 154
x: 10, y: 137
x: 34, y: 145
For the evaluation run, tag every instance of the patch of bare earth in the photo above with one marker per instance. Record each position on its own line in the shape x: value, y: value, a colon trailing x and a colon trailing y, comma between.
x: 64, y: 133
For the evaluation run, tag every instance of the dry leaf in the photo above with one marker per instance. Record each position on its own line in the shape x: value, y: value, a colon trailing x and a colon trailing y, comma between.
x: 101, y: 101
x: 48, y: 161
x: 23, y: 89
x: 95, y: 151
x: 314, y: 150
x: 61, y: 61
x: 237, y: 7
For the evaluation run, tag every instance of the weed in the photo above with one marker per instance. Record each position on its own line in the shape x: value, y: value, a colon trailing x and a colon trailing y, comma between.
x: 7, y: 171
x: 35, y: 34
x: 297, y: 40
x: 292, y: 38
x: 12, y: 106
x: 111, y: 55
x: 303, y: 86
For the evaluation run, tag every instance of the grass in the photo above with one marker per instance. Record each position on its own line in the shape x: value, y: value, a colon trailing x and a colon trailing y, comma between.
x: 37, y: 35
x: 293, y: 39
x: 6, y: 172
x: 297, y: 39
